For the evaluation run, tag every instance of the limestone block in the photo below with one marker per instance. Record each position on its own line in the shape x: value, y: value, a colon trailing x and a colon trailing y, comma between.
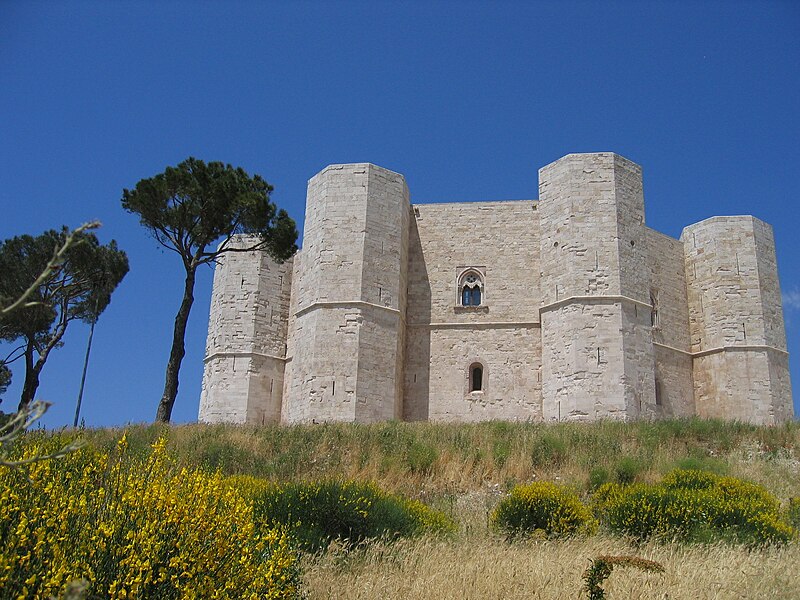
x: 736, y: 320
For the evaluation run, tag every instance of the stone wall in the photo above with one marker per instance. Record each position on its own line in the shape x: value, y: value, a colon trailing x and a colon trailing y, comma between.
x: 669, y: 319
x: 584, y: 312
x: 736, y: 322
x: 500, y: 240
x: 348, y: 318
x: 245, y: 349
x: 597, y: 353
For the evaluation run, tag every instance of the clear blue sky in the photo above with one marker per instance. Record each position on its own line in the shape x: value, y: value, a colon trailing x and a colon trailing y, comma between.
x: 466, y: 99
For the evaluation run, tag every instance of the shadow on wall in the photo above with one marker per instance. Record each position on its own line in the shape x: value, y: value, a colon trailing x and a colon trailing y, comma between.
x: 416, y: 392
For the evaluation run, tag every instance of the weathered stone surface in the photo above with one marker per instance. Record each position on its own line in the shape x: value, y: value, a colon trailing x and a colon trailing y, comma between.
x: 246, y: 348
x: 499, y: 240
x: 738, y: 340
x: 597, y: 349
x: 584, y: 312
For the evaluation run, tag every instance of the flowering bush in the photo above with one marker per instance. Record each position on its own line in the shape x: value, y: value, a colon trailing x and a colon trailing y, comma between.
x: 319, y: 512
x: 134, y: 529
x: 693, y: 505
x: 542, y: 506
x: 793, y: 512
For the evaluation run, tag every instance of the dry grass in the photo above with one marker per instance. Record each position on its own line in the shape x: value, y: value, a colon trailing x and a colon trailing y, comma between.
x: 421, y: 459
x: 481, y: 565
x: 478, y: 564
x: 487, y: 567
x: 465, y: 469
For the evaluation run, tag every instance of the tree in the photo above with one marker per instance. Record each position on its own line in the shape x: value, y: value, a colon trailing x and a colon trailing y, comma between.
x: 16, y: 424
x: 76, y: 286
x: 191, y: 207
x: 5, y: 377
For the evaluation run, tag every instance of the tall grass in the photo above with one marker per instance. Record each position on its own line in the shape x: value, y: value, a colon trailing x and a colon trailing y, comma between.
x: 444, y: 458
x: 489, y: 568
x: 466, y: 469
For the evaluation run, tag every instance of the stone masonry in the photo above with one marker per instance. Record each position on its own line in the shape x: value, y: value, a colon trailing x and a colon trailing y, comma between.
x: 563, y: 308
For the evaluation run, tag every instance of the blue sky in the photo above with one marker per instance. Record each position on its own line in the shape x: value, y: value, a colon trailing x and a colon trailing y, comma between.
x: 466, y: 99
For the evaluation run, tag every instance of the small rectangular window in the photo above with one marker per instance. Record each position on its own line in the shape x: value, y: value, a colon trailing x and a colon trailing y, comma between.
x: 476, y: 378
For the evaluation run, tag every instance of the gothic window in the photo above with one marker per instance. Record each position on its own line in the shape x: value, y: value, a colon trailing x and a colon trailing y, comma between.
x: 476, y: 378
x: 471, y: 286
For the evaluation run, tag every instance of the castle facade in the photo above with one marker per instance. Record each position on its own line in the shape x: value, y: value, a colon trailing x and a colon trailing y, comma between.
x: 558, y: 309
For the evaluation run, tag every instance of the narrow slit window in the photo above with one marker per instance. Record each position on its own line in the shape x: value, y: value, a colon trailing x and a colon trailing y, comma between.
x: 654, y: 317
x: 476, y: 378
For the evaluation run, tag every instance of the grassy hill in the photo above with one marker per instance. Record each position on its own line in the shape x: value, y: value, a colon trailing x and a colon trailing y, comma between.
x: 449, y: 458
x: 465, y: 469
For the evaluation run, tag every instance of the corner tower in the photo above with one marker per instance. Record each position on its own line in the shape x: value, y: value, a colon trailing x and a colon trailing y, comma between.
x: 738, y: 341
x: 597, y: 350
x: 348, y: 334
x: 246, y: 346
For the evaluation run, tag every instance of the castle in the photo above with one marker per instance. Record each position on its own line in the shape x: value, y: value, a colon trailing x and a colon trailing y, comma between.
x: 563, y: 308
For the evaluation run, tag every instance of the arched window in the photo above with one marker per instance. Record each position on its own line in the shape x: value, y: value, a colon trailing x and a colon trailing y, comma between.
x: 476, y: 378
x: 471, y: 286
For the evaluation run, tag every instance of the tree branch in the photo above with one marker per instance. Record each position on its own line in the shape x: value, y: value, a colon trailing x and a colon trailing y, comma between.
x: 54, y: 264
x: 8, y: 360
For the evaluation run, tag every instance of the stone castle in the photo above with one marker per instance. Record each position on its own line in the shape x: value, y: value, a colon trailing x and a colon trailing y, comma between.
x: 563, y: 308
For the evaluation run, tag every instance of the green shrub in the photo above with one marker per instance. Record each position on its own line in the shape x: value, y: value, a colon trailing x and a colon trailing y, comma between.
x: 602, y: 566
x: 597, y: 477
x: 697, y: 463
x: 133, y: 527
x: 793, y: 512
x: 627, y: 469
x: 421, y: 457
x: 318, y: 513
x: 501, y: 450
x: 689, y: 479
x: 693, y: 506
x: 542, y: 507
x: 549, y: 450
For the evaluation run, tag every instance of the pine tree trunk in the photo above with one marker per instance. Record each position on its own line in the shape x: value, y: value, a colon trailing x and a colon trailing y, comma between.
x: 31, y: 378
x: 164, y: 413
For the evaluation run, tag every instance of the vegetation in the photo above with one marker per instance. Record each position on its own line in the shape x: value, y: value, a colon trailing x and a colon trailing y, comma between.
x: 316, y: 475
x: 319, y: 513
x: 694, y: 506
x: 189, y: 209
x: 133, y: 528
x: 75, y: 286
x: 14, y: 425
x: 793, y: 512
x: 5, y: 378
x: 466, y: 458
x: 479, y: 566
x: 602, y: 566
x: 542, y: 507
